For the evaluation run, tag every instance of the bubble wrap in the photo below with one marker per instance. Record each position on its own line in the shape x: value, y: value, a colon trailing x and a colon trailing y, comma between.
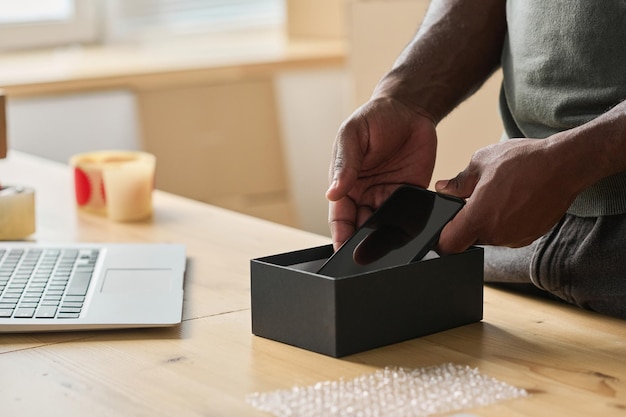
x: 390, y: 392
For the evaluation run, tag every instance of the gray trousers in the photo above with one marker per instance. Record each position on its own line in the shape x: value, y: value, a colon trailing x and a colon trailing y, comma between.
x: 582, y: 261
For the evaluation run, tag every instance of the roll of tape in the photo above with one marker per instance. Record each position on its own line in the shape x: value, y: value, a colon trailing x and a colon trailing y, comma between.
x: 17, y: 212
x: 117, y: 184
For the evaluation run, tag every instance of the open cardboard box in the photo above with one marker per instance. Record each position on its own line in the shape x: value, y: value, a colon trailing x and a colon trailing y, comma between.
x: 341, y: 316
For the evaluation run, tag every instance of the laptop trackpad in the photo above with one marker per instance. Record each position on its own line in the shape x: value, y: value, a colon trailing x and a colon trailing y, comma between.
x: 137, y: 281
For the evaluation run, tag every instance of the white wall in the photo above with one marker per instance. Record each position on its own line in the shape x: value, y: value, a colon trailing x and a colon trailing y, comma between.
x: 57, y: 127
x: 311, y: 107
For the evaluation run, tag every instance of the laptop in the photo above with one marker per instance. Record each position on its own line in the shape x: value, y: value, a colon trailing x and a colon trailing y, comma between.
x: 81, y: 286
x: 53, y: 287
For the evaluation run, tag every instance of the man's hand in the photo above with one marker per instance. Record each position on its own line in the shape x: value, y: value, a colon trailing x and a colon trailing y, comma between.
x: 391, y: 140
x: 382, y: 145
x: 516, y: 191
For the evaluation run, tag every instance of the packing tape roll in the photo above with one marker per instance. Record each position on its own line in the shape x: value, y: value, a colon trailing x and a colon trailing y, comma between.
x: 117, y: 184
x: 17, y: 212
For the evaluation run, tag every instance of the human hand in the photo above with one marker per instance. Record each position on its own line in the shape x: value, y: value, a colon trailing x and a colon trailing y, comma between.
x: 516, y: 191
x: 382, y: 145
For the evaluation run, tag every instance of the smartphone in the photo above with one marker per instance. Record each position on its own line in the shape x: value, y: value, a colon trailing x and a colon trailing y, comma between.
x: 403, y: 229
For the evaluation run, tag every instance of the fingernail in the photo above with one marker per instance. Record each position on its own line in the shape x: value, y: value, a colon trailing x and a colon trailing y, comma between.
x: 442, y: 184
x: 332, y: 186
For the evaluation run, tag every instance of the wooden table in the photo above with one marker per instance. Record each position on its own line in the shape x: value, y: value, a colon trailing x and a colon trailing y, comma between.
x: 572, y: 362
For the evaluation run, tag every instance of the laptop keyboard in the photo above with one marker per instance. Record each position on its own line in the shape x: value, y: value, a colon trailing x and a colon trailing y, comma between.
x: 45, y: 283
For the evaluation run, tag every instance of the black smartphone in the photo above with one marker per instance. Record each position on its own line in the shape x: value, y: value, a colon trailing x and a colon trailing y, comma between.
x: 403, y: 229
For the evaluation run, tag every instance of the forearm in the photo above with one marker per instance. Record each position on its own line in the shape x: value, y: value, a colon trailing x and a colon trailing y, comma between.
x: 457, y: 47
x: 591, y: 151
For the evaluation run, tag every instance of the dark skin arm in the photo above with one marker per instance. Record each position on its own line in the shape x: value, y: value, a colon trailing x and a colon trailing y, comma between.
x: 515, y: 190
x: 518, y: 189
x: 391, y: 139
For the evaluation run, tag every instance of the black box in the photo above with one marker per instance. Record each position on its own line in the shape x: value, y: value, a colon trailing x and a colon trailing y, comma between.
x: 342, y: 316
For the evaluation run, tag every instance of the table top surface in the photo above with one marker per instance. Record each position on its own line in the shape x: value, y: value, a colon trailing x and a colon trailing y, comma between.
x: 571, y: 362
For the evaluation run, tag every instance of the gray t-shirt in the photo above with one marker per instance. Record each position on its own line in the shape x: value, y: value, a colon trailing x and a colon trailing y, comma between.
x: 564, y: 64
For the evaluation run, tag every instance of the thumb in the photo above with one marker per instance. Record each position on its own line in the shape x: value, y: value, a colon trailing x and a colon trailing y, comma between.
x: 457, y: 235
x: 347, y: 159
x: 461, y: 186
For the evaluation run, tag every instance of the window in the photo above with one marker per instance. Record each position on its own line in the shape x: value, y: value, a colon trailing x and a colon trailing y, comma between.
x: 29, y: 11
x: 36, y: 23
x: 137, y: 18
x: 40, y: 23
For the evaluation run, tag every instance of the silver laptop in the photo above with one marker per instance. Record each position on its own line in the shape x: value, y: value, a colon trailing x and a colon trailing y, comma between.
x: 52, y: 287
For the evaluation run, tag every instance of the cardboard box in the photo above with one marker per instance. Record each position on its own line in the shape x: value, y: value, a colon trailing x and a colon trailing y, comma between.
x: 342, y: 316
